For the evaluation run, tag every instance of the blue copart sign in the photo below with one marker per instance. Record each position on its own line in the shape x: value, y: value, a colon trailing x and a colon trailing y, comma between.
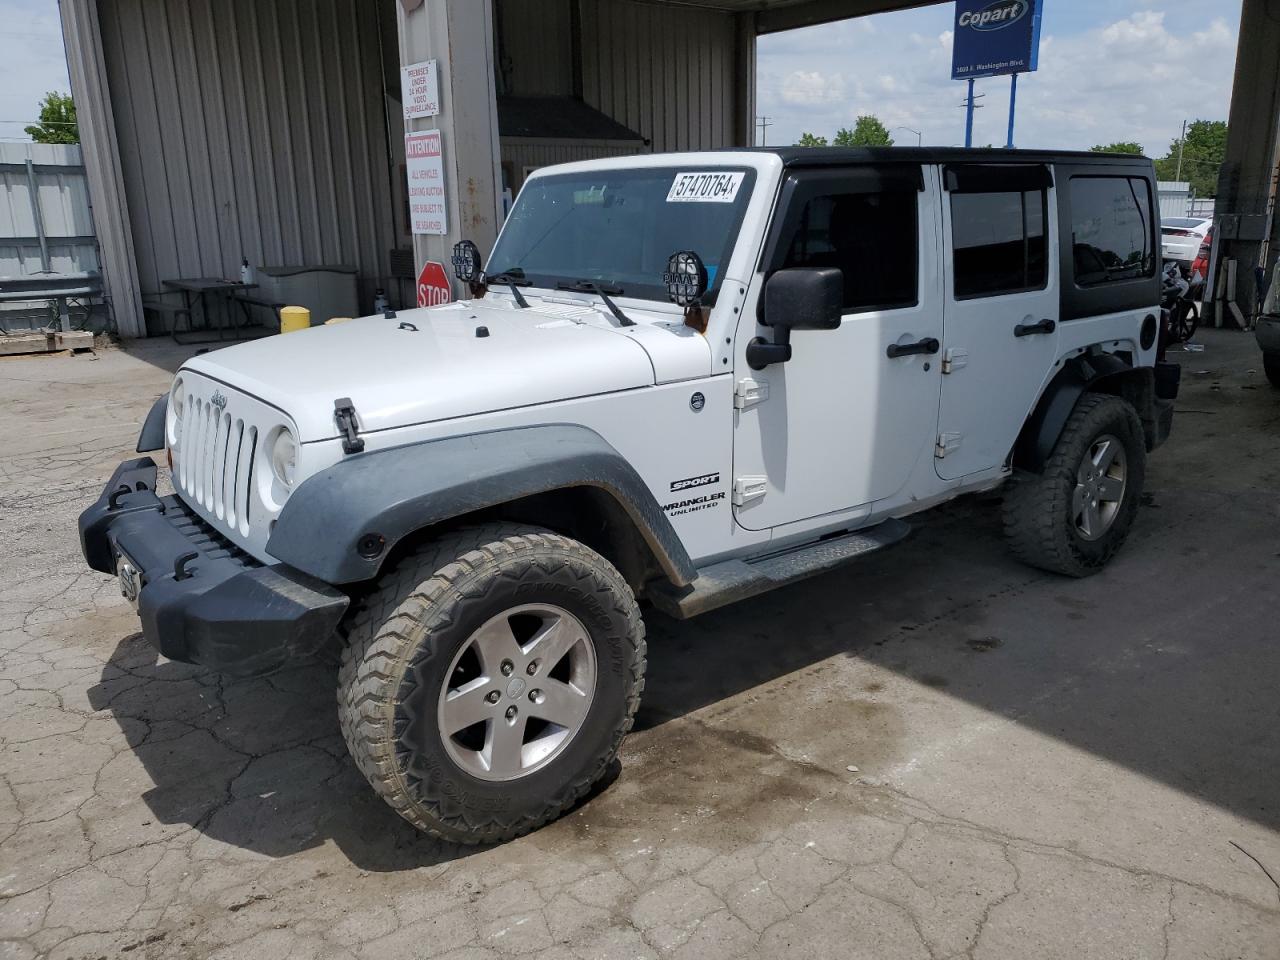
x: 995, y: 37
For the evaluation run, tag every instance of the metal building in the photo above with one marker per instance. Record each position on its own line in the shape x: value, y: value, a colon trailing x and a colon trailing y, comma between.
x: 273, y: 130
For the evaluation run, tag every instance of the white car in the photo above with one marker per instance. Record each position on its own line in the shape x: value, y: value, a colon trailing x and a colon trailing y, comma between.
x: 1181, y: 237
x: 684, y: 379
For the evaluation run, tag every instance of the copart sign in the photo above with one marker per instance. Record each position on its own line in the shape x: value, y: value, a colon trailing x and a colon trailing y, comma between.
x: 994, y: 37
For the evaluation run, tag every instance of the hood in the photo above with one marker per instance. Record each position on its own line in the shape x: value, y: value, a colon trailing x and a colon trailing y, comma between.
x: 397, y: 376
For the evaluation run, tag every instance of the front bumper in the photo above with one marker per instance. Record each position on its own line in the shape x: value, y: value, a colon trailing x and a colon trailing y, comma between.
x: 203, y: 600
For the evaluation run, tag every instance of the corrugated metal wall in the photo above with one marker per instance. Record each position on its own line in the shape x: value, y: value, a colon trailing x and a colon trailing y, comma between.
x: 666, y: 72
x: 64, y: 207
x: 251, y: 128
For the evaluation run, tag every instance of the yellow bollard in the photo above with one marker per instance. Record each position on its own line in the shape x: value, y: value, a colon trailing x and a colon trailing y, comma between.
x: 294, y: 318
x: 332, y: 320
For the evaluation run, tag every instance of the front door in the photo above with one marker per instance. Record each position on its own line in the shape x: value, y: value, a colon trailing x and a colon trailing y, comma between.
x: 1001, y: 310
x: 843, y: 424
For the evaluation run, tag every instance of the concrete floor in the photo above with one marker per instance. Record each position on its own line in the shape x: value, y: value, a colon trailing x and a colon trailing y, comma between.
x: 937, y: 754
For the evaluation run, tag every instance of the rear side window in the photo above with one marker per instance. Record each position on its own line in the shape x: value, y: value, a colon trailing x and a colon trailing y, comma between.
x: 1000, y: 242
x: 1111, y: 229
x: 870, y: 237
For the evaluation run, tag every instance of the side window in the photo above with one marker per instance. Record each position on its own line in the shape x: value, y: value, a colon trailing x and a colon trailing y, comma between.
x: 871, y: 237
x: 1111, y: 236
x: 1000, y: 242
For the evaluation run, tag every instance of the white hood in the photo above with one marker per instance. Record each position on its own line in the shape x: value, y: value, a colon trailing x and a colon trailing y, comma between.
x: 400, y: 376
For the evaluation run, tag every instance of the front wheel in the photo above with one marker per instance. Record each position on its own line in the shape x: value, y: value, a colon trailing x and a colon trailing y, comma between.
x: 489, y: 681
x: 1073, y: 517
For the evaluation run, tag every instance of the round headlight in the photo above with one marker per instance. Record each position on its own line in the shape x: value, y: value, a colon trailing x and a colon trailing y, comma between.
x: 284, y: 457
x: 177, y: 399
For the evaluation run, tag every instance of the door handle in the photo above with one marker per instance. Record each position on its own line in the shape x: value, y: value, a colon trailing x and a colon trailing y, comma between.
x: 925, y: 346
x: 1031, y: 329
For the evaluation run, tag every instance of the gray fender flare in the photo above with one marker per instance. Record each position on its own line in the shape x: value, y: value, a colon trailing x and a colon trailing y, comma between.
x: 396, y: 492
x: 152, y: 435
x: 1045, y: 425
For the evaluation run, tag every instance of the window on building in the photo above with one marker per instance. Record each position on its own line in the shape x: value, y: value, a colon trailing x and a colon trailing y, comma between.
x: 871, y: 237
x: 1000, y: 242
x: 1111, y: 235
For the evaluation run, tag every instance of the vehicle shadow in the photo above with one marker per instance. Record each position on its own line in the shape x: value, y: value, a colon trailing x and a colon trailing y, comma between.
x: 1128, y: 666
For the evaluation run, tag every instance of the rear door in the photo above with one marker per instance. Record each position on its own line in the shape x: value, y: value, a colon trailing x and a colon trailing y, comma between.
x: 1001, y: 309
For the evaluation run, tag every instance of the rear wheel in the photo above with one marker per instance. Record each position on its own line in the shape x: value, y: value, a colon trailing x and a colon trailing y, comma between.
x: 489, y: 681
x: 1271, y: 364
x: 1073, y: 517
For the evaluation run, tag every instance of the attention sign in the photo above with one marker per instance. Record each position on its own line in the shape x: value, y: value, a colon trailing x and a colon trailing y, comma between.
x: 424, y: 165
x: 995, y: 38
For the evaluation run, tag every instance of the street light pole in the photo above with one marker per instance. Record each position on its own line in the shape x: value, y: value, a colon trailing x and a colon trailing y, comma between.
x: 919, y: 135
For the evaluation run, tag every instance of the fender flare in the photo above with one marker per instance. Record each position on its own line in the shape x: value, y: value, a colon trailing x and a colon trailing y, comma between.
x: 152, y: 435
x: 1045, y: 425
x: 396, y: 492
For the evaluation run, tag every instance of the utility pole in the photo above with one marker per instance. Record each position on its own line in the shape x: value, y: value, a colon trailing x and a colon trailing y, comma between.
x: 970, y: 104
x: 764, y: 123
x: 1182, y: 146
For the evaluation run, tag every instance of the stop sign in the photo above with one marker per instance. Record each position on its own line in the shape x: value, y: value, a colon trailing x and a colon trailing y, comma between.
x: 433, y: 285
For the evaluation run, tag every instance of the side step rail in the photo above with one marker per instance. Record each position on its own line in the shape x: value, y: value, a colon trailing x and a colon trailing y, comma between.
x: 732, y: 580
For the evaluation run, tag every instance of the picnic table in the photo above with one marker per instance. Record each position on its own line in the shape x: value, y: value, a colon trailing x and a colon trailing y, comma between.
x: 202, y: 291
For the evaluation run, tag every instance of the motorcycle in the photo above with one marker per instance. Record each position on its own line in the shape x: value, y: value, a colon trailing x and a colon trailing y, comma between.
x: 1179, y: 299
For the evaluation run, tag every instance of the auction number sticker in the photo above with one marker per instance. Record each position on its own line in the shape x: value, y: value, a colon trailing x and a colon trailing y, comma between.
x: 708, y: 186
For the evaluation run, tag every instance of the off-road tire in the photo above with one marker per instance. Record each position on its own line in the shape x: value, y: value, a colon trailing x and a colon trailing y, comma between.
x: 404, y: 636
x: 1271, y: 366
x: 1038, y: 522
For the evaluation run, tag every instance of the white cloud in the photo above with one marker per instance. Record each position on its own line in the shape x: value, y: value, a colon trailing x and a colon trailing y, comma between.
x: 812, y: 86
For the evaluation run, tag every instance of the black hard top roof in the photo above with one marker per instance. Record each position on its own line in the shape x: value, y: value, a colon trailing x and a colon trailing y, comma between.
x: 836, y: 156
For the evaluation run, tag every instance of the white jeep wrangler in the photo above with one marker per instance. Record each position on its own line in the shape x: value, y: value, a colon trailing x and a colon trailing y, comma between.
x: 685, y: 379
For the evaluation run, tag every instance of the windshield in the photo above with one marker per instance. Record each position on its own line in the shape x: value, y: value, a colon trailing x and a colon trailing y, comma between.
x: 1181, y: 223
x: 618, y: 227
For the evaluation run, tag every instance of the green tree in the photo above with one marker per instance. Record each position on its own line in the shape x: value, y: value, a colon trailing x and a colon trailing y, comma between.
x: 1120, y: 146
x: 867, y: 132
x: 57, y: 120
x: 1202, y: 156
x: 811, y: 140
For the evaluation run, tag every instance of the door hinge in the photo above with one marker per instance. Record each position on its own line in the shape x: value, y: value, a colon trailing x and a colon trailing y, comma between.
x: 746, y: 489
x: 954, y: 359
x: 947, y: 443
x: 748, y: 392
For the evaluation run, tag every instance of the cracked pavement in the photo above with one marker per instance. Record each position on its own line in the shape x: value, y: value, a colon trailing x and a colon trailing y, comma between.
x: 937, y: 754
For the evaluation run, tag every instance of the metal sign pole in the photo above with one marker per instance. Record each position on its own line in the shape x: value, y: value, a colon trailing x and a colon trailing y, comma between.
x: 1013, y: 103
x: 968, y: 121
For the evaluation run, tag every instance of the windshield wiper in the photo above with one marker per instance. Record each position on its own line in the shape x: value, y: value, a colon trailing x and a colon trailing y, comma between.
x: 514, y: 279
x: 590, y: 286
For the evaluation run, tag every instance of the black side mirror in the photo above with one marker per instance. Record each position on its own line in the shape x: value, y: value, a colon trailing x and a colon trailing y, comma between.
x: 798, y: 299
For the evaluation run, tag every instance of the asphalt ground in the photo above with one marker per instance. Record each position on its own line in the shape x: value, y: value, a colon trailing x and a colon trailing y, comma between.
x: 938, y: 753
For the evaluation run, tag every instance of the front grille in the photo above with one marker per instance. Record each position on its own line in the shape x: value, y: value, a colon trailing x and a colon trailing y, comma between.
x: 216, y: 465
x: 220, y: 465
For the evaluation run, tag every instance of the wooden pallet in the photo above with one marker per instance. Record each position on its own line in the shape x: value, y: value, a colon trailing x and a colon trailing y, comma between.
x: 41, y: 342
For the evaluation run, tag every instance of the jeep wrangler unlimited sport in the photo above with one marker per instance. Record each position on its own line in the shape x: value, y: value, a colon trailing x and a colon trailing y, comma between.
x: 685, y: 379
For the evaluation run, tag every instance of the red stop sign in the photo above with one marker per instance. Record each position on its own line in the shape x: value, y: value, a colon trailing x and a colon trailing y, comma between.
x: 433, y: 285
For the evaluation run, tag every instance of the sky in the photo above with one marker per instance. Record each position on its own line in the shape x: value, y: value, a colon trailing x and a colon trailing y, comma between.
x: 1110, y: 70
x: 32, y: 61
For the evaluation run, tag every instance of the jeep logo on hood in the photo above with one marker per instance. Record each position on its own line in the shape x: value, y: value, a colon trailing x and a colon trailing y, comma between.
x: 995, y: 16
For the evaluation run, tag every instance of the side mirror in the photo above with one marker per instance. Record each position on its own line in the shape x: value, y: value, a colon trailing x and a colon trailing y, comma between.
x: 798, y: 299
